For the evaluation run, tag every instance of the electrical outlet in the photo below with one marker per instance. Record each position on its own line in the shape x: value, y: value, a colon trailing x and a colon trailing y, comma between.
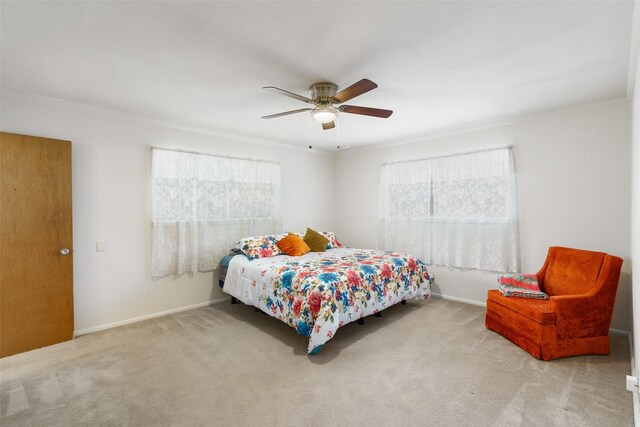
x: 632, y: 383
x: 99, y: 245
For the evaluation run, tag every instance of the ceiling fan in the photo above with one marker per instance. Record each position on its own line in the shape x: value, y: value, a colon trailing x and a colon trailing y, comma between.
x: 325, y: 95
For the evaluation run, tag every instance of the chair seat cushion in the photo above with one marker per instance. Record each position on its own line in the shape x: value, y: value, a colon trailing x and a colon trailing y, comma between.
x: 538, y: 310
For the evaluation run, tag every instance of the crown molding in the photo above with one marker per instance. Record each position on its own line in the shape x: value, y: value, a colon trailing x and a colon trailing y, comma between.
x: 420, y: 137
x: 107, y: 112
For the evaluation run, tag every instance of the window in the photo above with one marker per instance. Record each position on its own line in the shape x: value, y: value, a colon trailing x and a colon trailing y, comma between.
x: 458, y: 211
x: 203, y: 204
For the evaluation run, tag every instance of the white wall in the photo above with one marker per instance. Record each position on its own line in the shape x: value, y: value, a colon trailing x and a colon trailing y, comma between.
x: 573, y: 168
x: 111, y: 182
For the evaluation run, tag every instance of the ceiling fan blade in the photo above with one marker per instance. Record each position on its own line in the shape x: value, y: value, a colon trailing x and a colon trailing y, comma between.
x: 290, y: 94
x: 356, y: 89
x: 330, y: 125
x: 365, y: 111
x: 286, y: 113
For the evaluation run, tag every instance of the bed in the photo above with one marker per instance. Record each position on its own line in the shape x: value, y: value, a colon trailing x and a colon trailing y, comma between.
x: 319, y: 292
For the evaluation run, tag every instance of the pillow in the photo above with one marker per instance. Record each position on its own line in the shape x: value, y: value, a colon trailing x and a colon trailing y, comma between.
x: 521, y: 285
x: 244, y: 240
x: 293, y: 245
x: 316, y: 241
x: 333, y: 242
x: 259, y: 247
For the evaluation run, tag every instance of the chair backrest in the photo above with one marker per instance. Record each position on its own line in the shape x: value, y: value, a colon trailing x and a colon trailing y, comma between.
x: 571, y: 271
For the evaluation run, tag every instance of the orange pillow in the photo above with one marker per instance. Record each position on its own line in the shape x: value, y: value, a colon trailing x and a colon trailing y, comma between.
x: 293, y: 245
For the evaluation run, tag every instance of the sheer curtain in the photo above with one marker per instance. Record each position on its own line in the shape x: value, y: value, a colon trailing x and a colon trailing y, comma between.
x: 203, y: 204
x: 458, y: 211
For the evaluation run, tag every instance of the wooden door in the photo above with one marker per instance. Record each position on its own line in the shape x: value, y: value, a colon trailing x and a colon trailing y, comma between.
x: 36, y: 278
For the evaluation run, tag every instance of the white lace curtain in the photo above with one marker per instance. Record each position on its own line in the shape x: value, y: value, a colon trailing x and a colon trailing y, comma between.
x: 203, y: 204
x: 458, y: 211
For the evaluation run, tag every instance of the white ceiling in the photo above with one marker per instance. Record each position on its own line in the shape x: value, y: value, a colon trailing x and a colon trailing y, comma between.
x: 438, y: 64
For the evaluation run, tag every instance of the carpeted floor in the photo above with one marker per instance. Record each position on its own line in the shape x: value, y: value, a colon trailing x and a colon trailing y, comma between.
x: 425, y: 363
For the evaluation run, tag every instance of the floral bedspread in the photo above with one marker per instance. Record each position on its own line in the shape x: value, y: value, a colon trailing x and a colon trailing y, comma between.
x: 319, y: 292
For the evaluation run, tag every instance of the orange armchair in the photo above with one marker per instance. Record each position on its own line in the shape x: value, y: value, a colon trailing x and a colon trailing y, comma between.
x: 575, y: 319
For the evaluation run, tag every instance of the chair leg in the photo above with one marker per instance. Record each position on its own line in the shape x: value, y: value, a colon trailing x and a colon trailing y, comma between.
x: 234, y: 300
x: 404, y: 302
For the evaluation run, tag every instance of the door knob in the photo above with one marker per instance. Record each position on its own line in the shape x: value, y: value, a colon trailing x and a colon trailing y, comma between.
x: 64, y: 251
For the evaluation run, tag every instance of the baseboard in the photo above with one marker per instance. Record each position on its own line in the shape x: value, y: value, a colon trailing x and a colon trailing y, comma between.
x: 457, y: 299
x: 619, y: 332
x: 146, y: 317
x: 483, y: 304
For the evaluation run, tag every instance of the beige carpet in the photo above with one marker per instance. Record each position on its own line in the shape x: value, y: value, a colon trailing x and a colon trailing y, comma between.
x: 426, y: 363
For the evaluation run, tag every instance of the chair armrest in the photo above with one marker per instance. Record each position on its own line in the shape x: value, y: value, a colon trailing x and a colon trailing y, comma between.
x: 589, y: 314
x: 584, y: 315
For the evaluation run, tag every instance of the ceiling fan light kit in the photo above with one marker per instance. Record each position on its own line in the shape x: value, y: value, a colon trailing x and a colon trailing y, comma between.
x: 323, y: 115
x: 324, y: 95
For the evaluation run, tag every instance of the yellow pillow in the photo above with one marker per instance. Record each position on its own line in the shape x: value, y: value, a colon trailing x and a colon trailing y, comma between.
x: 293, y: 245
x: 316, y: 241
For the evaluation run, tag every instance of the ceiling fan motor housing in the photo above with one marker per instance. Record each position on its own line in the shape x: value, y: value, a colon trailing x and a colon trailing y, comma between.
x: 321, y: 93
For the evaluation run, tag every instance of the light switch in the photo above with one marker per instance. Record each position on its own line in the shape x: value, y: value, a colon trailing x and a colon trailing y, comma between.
x: 99, y: 245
